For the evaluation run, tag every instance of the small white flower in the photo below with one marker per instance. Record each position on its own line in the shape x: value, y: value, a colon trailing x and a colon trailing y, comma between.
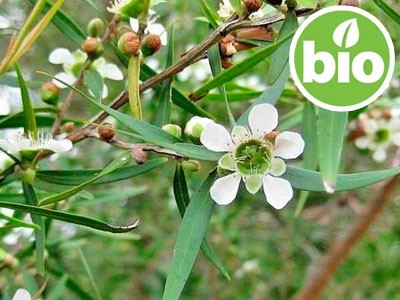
x: 22, y: 294
x: 16, y: 143
x: 380, y: 134
x: 195, y: 127
x: 253, y: 157
x: 72, y: 64
x: 225, y: 10
x: 152, y: 27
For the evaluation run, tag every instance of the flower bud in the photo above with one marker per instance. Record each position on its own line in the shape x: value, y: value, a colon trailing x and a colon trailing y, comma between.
x: 29, y: 175
x: 127, y: 8
x: 195, y: 127
x: 50, y: 93
x: 93, y: 48
x: 191, y: 165
x: 95, y: 27
x: 226, y: 62
x: 106, y: 131
x: 139, y: 155
x: 355, y: 3
x: 129, y: 43
x: 173, y: 129
x: 252, y: 5
x: 151, y: 44
x: 69, y: 127
x: 227, y: 46
x: 291, y: 4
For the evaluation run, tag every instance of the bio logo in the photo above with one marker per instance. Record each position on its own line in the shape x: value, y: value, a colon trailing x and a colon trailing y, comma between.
x: 342, y: 58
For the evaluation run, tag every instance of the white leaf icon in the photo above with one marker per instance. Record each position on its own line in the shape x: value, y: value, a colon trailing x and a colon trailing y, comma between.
x: 346, y: 34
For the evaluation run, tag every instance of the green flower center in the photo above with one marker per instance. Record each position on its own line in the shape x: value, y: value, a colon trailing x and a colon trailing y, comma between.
x: 76, y: 69
x: 382, y: 135
x: 253, y: 157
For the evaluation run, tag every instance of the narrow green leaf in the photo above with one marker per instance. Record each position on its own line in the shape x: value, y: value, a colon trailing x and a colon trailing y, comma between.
x: 68, y: 217
x: 65, y: 24
x: 190, y: 236
x: 76, y: 177
x: 238, y: 69
x: 114, y: 165
x: 29, y: 114
x: 307, y: 180
x: 40, y: 234
x: 210, y: 14
x: 182, y: 199
x: 280, y: 57
x: 90, y: 274
x: 331, y: 131
x: 58, y: 291
x: 94, y: 6
x: 388, y: 10
x: 165, y: 104
x: 95, y: 83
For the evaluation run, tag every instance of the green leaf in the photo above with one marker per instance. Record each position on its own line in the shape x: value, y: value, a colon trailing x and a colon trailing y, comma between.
x: 40, y: 234
x: 95, y: 83
x: 165, y: 103
x: 76, y: 177
x: 190, y: 236
x: 280, y: 57
x: 114, y: 165
x: 58, y: 291
x: 238, y: 69
x: 194, y: 151
x: 210, y: 14
x: 182, y: 199
x: 90, y: 274
x: 331, y: 131
x: 388, y: 10
x: 29, y: 114
x: 68, y: 217
x: 65, y: 24
x: 307, y: 180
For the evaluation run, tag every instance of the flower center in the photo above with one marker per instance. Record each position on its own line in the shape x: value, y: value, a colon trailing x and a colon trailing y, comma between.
x: 253, y: 157
x: 76, y: 69
x: 382, y: 135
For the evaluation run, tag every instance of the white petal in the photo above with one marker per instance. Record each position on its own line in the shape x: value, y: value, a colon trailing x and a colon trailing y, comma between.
x: 239, y: 134
x: 253, y: 183
x: 263, y: 118
x: 159, y: 30
x: 363, y: 142
x: 22, y: 294
x: 278, y: 167
x: 216, y: 138
x: 394, y: 124
x: 104, y: 93
x: 395, y: 138
x: 65, y: 77
x: 112, y: 72
x: 59, y: 146
x: 5, y: 108
x: 134, y: 24
x: 289, y: 145
x: 379, y: 154
x: 224, y: 189
x: 278, y: 191
x: 61, y: 56
x: 4, y: 23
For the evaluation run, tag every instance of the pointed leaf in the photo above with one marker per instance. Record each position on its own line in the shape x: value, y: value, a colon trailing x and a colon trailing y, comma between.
x: 388, y: 10
x: 347, y: 34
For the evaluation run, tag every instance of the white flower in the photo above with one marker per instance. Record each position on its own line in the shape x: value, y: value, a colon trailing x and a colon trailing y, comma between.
x: 15, y: 143
x: 72, y: 64
x: 225, y: 10
x: 254, y: 156
x: 5, y: 162
x: 380, y: 134
x: 152, y: 27
x: 196, y: 125
x: 22, y: 294
x: 4, y: 23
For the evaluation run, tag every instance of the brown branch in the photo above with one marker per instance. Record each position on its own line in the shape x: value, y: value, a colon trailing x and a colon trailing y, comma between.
x: 315, y: 285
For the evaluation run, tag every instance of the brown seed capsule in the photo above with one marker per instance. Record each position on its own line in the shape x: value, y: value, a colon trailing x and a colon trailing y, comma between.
x: 252, y: 5
x: 129, y: 43
x: 106, y: 131
x: 226, y: 63
x: 151, y: 44
x: 355, y: 3
x: 50, y: 93
x: 90, y: 45
x: 139, y: 155
x: 227, y: 45
x: 69, y: 127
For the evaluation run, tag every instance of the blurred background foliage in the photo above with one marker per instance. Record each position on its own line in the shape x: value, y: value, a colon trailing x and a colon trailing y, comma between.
x: 267, y: 253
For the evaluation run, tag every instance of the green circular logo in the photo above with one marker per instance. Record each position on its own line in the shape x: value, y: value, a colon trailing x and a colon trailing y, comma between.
x: 342, y: 58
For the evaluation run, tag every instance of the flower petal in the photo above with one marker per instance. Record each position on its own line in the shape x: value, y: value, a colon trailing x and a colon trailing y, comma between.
x: 134, y: 24
x: 263, y: 118
x: 216, y: 138
x: 22, y: 294
x: 112, y: 72
x: 227, y: 162
x: 289, y: 145
x: 379, y: 154
x: 253, y: 183
x: 239, y: 134
x: 278, y: 167
x: 59, y: 146
x: 278, y: 191
x: 4, y: 23
x: 224, y: 189
x: 5, y: 108
x: 61, y: 56
x: 104, y: 93
x: 395, y: 138
x: 363, y: 142
x: 66, y: 77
